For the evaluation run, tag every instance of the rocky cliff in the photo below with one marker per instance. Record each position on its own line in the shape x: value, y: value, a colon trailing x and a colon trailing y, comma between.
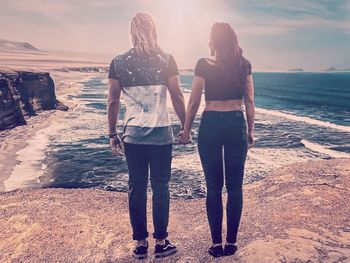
x: 23, y: 94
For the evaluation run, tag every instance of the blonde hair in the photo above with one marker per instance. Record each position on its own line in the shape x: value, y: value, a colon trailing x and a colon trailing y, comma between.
x: 144, y: 34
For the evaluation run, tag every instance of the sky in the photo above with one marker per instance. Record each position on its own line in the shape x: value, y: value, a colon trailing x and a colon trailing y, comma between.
x: 274, y: 35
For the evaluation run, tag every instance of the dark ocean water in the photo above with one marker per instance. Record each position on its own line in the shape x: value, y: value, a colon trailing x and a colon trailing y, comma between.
x: 322, y: 96
x: 300, y: 116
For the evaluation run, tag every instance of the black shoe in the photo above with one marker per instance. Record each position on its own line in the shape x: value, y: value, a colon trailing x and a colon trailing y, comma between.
x: 216, y: 251
x: 140, y: 252
x: 162, y: 251
x: 230, y: 250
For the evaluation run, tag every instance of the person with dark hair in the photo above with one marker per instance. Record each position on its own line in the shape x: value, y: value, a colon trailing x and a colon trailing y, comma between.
x: 223, y: 138
x: 143, y: 75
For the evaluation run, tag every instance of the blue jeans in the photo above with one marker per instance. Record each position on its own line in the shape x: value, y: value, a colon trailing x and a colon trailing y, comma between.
x: 140, y: 159
x: 222, y: 146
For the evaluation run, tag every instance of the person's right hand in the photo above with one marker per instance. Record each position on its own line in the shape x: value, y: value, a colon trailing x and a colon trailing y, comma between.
x: 184, y: 137
x: 250, y: 137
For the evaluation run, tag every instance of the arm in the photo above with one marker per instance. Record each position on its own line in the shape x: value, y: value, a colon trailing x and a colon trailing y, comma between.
x: 193, y: 105
x: 250, y: 109
x: 177, y: 97
x: 114, y: 91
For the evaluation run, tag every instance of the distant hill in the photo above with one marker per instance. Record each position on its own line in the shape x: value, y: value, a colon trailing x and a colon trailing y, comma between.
x: 297, y: 70
x: 334, y: 69
x: 7, y: 45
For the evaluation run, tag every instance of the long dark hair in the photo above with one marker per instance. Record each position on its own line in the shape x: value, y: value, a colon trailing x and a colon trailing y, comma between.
x: 228, y: 53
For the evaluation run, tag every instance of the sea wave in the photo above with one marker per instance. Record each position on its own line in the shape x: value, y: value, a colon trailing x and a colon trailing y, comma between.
x: 30, y: 159
x: 305, y: 119
x: 321, y: 149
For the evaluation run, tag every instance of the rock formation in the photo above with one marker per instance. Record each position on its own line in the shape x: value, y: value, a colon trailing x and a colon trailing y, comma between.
x: 23, y: 94
x: 85, y: 69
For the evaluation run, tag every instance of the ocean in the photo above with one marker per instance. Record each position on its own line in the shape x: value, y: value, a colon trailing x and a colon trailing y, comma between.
x: 299, y: 117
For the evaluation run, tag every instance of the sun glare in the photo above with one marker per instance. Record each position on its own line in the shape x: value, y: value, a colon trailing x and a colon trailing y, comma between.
x: 180, y: 23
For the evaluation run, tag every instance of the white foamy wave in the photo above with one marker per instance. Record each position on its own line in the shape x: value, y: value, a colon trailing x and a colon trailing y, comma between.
x: 304, y: 119
x: 321, y: 149
x: 30, y: 159
x: 264, y: 122
x: 186, y: 90
x: 93, y: 100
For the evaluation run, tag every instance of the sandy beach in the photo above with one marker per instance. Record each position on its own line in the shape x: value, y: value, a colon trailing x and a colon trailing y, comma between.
x: 299, y: 213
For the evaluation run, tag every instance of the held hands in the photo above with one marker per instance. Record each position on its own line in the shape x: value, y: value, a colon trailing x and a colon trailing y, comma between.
x: 184, y: 137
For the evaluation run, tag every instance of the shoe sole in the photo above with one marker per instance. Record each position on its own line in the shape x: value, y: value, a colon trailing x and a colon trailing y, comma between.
x: 230, y: 253
x: 140, y: 256
x: 165, y: 254
x: 215, y: 256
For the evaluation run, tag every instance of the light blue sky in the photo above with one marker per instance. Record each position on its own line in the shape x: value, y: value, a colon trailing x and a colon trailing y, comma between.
x: 274, y: 34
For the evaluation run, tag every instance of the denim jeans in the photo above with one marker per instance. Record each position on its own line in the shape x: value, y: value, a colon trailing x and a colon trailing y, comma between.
x: 141, y: 159
x: 222, y: 146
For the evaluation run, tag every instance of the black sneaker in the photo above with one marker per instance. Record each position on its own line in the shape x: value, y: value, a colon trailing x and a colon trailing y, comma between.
x: 140, y: 252
x: 162, y: 251
x: 230, y: 250
x: 216, y: 251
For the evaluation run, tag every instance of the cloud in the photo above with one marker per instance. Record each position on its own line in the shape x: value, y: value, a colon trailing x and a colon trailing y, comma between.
x: 103, y: 26
x: 282, y: 17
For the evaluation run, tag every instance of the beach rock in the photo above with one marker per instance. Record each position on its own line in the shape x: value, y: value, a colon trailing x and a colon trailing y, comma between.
x: 10, y: 110
x: 23, y: 94
x: 299, y: 213
x: 85, y: 69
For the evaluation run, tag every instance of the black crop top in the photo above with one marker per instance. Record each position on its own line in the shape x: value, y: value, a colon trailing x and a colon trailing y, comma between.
x: 219, y: 85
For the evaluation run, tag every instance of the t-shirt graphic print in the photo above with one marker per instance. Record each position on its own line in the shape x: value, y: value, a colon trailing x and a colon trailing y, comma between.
x: 143, y: 78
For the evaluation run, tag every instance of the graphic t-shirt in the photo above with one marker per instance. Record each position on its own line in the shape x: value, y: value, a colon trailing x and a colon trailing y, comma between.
x: 144, y: 79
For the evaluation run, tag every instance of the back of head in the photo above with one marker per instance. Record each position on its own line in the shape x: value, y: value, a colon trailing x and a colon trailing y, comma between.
x: 144, y: 34
x: 225, y: 46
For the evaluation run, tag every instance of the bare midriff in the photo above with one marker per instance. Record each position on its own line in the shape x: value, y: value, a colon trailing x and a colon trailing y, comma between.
x: 223, y: 105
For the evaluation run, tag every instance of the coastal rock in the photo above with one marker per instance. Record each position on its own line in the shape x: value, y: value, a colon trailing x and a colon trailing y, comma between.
x: 10, y: 110
x: 23, y: 94
x: 299, y: 213
x: 85, y: 69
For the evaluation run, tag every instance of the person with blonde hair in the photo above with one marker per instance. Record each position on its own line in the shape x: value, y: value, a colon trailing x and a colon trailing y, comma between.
x: 143, y: 75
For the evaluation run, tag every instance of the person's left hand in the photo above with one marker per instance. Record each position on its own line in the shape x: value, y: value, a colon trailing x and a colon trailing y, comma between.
x: 184, y: 137
x: 116, y: 146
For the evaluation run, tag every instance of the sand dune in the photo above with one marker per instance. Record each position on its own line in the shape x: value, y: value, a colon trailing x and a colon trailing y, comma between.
x: 22, y: 55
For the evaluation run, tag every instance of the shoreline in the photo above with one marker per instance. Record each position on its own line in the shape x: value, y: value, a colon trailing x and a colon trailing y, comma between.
x: 67, y: 83
x: 15, y: 144
x: 286, y: 218
x: 17, y: 139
